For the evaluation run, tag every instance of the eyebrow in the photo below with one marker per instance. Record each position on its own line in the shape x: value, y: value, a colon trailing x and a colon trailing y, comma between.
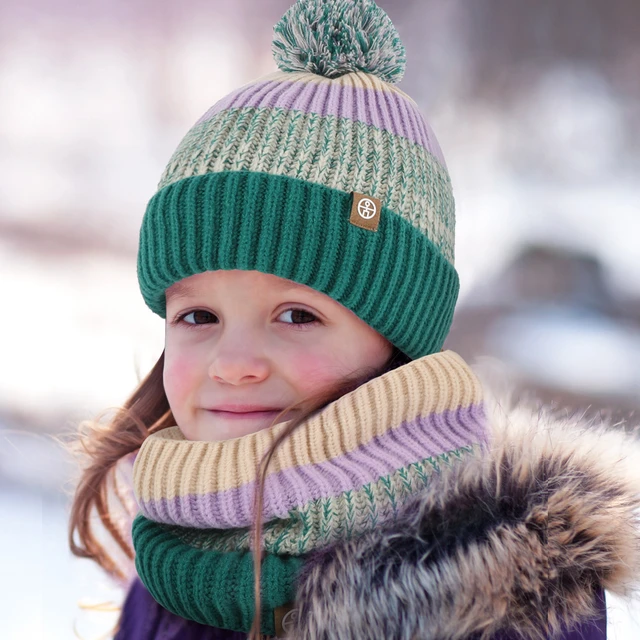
x: 179, y: 290
x: 184, y: 289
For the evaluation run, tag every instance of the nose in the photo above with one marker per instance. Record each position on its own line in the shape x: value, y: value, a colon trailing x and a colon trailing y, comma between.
x: 238, y: 364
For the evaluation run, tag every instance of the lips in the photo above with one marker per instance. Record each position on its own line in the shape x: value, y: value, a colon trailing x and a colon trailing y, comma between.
x: 243, y: 408
x: 244, y: 412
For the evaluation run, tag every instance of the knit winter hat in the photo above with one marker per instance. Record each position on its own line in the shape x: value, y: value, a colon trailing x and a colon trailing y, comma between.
x: 323, y: 173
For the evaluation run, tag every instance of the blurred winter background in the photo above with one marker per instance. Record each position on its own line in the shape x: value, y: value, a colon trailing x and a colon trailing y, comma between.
x: 537, y: 108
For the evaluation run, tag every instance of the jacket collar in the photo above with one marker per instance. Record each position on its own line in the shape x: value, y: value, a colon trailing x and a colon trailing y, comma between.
x: 518, y: 540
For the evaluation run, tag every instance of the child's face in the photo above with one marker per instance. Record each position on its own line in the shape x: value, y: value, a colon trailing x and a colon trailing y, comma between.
x: 253, y: 339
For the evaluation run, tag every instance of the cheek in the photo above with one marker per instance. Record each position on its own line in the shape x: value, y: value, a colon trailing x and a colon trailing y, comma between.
x: 179, y: 378
x: 316, y: 369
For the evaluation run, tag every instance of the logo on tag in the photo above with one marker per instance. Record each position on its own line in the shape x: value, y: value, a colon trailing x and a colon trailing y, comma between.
x: 285, y: 618
x: 365, y: 211
x: 289, y: 620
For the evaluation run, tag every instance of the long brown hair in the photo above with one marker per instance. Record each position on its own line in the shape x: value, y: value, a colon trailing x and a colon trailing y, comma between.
x: 102, y: 445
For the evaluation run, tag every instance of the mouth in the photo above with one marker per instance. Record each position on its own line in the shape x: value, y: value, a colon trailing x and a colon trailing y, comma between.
x: 245, y: 415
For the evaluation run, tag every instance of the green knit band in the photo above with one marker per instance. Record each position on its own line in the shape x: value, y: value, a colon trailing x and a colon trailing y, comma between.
x: 210, y: 587
x: 394, y: 279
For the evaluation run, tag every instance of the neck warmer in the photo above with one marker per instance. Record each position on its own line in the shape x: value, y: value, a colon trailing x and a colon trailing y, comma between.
x: 343, y: 472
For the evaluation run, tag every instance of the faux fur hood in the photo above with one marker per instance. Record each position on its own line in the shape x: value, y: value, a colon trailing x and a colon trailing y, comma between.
x: 514, y: 541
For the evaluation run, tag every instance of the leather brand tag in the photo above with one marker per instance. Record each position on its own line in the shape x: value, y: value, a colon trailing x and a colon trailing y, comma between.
x: 284, y: 618
x: 365, y: 211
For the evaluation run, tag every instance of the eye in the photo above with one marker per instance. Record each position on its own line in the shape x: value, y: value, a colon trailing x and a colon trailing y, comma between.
x: 299, y: 316
x: 200, y: 316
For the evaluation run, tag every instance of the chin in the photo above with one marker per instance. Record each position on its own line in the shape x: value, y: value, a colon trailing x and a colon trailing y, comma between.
x: 221, y: 432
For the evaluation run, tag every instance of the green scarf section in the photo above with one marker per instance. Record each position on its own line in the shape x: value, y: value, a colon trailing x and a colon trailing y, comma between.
x: 210, y: 587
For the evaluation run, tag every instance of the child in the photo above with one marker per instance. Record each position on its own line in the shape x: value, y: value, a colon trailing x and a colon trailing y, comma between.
x: 309, y: 462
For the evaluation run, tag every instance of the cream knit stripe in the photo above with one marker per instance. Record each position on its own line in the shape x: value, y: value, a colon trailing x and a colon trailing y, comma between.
x: 432, y: 384
x: 289, y: 492
x: 335, y: 152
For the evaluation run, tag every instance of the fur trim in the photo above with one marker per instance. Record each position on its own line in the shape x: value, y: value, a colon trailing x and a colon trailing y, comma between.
x: 515, y: 540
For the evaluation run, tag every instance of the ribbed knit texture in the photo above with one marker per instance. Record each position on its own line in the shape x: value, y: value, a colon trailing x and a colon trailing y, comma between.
x: 346, y: 470
x: 351, y: 135
x: 325, y: 520
x: 209, y: 587
x: 343, y: 472
x: 244, y: 220
x: 264, y: 181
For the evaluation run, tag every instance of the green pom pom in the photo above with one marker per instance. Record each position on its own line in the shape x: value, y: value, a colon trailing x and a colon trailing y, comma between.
x: 335, y: 37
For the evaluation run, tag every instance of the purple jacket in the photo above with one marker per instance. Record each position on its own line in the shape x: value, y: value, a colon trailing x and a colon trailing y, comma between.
x: 144, y: 619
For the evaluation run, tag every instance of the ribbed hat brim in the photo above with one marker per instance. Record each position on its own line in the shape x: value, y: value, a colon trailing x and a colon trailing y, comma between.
x: 300, y: 231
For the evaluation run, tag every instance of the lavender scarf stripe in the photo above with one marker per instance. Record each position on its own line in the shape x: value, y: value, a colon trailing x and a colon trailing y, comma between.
x: 293, y: 488
x: 385, y: 110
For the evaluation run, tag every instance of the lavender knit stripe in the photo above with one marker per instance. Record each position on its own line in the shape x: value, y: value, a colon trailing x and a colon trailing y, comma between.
x: 385, y: 110
x: 296, y: 486
x: 476, y: 417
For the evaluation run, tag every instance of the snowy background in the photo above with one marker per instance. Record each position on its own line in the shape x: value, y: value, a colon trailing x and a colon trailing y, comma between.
x: 536, y: 106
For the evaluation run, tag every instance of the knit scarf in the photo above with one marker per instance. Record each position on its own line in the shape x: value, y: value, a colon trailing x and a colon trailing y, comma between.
x: 345, y: 471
